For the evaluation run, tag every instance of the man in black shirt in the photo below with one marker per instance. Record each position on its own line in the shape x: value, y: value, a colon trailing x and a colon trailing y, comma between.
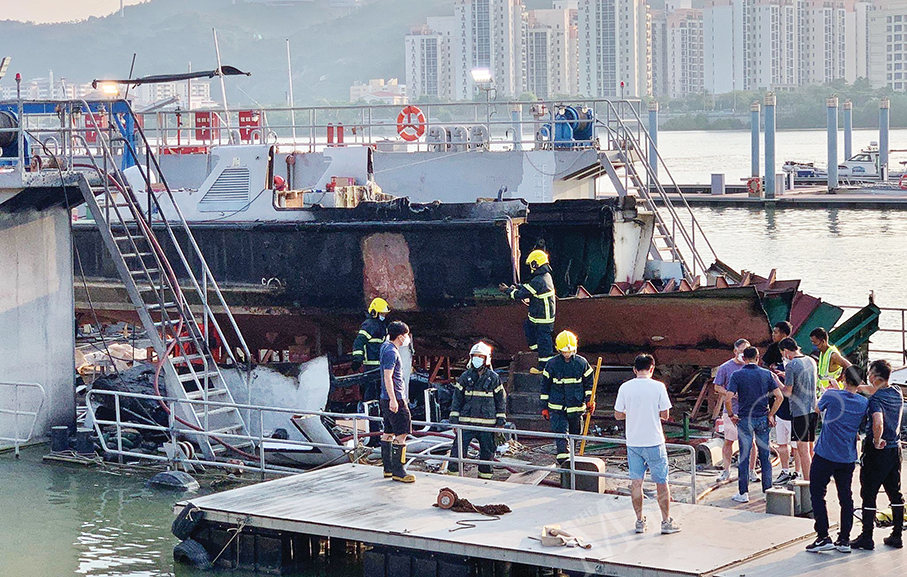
x: 773, y: 361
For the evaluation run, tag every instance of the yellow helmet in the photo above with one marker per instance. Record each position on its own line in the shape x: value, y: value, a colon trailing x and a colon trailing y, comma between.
x: 537, y: 258
x: 566, y: 342
x: 379, y: 306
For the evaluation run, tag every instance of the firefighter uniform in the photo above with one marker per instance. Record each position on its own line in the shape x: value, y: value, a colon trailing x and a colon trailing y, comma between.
x: 366, y: 351
x: 539, y: 324
x: 478, y: 399
x: 566, y: 390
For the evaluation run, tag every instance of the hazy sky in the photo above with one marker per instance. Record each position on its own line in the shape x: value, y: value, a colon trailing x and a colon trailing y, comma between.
x: 44, y: 11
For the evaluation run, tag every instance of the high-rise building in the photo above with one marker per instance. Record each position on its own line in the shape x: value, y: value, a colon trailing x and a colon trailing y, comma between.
x: 824, y: 51
x: 888, y: 45
x: 659, y: 34
x: 723, y: 45
x: 684, y: 43
x: 614, y: 48
x: 424, y: 69
x: 857, y: 36
x: 490, y: 36
x: 549, y: 44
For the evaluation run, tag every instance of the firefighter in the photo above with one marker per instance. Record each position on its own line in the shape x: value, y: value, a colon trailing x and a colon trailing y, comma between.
x: 367, y: 346
x: 539, y: 325
x: 566, y: 391
x: 478, y: 399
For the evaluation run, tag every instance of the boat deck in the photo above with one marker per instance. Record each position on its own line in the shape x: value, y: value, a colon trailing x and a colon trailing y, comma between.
x: 354, y: 502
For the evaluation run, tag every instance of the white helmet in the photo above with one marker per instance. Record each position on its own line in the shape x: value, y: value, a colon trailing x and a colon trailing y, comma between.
x: 480, y: 349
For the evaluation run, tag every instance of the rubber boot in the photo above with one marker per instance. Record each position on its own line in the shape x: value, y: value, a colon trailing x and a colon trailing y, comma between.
x: 864, y: 541
x: 397, y: 459
x: 897, y: 516
x: 386, y: 459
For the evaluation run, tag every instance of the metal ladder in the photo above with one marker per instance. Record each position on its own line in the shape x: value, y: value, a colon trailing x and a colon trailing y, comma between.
x: 673, y: 240
x: 164, y: 305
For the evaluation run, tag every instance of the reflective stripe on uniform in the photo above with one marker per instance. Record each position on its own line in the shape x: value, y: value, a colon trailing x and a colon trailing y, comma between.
x: 477, y: 420
x: 357, y: 352
x: 545, y: 374
x: 589, y: 393
x: 561, y: 456
x: 826, y: 377
x: 499, y: 388
x: 455, y: 413
x: 531, y: 290
x: 479, y: 394
x: 554, y: 407
x: 568, y: 381
x: 545, y: 359
x: 501, y: 415
x: 547, y: 321
x: 365, y: 333
x: 588, y: 372
x: 371, y: 363
x: 457, y: 386
x: 575, y: 409
x: 533, y: 347
x: 543, y: 397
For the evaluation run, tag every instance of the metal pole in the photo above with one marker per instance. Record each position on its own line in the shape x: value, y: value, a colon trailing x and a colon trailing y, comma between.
x: 460, y: 451
x: 832, y: 104
x: 571, y: 451
x: 848, y: 129
x: 516, y: 121
x: 770, y: 146
x: 20, y: 137
x: 754, y: 139
x: 653, y: 139
x: 884, y: 115
x: 223, y: 89
x: 292, y: 100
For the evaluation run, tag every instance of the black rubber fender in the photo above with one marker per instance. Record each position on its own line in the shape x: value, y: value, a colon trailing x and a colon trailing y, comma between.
x: 191, y: 552
x: 187, y: 522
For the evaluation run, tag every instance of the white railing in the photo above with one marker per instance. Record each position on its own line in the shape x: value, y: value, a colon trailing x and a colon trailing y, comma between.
x: 17, y: 412
x: 351, y: 444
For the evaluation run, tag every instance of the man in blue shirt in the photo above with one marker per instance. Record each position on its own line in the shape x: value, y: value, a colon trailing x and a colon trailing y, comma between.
x: 753, y: 388
x: 394, y: 404
x: 881, y: 463
x: 835, y: 456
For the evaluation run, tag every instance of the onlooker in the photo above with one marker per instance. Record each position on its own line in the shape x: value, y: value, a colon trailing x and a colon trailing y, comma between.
x: 774, y: 361
x: 643, y: 402
x: 394, y: 404
x: 836, y: 454
x: 800, y: 377
x: 753, y: 387
x: 881, y: 463
x: 722, y: 378
x: 831, y: 361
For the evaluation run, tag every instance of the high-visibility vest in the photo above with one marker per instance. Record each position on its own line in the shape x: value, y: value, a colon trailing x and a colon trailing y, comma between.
x: 826, y: 378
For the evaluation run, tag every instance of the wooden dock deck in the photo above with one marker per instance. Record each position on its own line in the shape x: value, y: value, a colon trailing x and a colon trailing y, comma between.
x: 354, y: 502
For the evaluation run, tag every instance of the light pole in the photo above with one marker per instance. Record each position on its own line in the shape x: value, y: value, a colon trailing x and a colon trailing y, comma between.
x: 484, y: 81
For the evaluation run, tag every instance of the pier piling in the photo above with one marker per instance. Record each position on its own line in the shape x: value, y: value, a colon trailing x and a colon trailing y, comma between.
x: 754, y: 130
x: 770, y: 146
x: 848, y: 129
x: 884, y: 110
x: 832, y: 143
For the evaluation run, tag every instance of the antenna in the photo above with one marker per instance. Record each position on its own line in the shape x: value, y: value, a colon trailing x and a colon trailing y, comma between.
x: 223, y: 88
x: 4, y: 64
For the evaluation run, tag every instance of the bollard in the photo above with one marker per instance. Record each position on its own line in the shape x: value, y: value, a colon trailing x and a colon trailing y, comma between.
x: 769, y: 189
x: 832, y: 143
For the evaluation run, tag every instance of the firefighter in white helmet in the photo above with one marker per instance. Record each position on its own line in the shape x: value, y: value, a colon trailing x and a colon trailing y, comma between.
x: 478, y: 399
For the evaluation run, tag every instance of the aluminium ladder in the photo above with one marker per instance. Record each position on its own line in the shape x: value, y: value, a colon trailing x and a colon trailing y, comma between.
x: 163, y: 303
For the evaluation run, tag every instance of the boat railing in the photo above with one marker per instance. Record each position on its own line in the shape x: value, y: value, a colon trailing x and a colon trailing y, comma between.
x: 892, y: 330
x: 348, y: 447
x: 23, y: 412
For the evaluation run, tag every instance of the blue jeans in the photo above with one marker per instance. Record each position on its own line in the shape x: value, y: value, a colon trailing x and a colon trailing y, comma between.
x: 747, y: 429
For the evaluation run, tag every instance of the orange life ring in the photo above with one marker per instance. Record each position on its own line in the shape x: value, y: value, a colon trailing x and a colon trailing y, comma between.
x: 754, y: 185
x: 411, y: 123
x: 902, y: 182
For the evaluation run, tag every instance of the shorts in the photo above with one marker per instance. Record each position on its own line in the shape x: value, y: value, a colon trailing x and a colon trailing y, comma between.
x: 653, y: 458
x: 399, y: 423
x: 730, y: 428
x: 803, y: 427
x: 782, y: 431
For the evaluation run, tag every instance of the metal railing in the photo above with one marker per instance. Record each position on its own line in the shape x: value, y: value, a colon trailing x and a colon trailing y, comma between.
x: 893, y: 329
x: 17, y: 411
x: 348, y: 448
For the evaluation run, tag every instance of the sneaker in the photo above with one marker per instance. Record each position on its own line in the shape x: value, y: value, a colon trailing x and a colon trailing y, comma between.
x: 669, y: 526
x: 754, y: 478
x: 486, y: 475
x: 863, y: 542
x: 784, y: 478
x: 794, y: 476
x: 820, y: 544
x: 842, y: 545
x: 741, y: 498
x: 641, y: 525
x: 724, y: 476
x: 893, y: 541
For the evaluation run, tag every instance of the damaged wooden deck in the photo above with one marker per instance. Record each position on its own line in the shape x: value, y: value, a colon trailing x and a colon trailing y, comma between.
x: 356, y: 503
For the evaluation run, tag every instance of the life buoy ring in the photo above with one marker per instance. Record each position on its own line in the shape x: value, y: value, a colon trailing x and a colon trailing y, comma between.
x: 411, y: 123
x: 902, y: 182
x: 754, y: 185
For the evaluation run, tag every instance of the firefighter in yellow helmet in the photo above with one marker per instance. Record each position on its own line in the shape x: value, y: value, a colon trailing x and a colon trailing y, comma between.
x: 566, y: 391
x: 367, y: 346
x: 539, y: 325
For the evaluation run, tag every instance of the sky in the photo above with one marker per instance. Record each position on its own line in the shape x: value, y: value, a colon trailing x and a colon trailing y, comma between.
x: 47, y: 11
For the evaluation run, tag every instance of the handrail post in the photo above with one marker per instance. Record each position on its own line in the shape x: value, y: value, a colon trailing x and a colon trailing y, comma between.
x: 16, y: 415
x: 261, y: 442
x: 460, y: 451
x: 116, y: 400
x: 571, y: 450
x: 693, y: 494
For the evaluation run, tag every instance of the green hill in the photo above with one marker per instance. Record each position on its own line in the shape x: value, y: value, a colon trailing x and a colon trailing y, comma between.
x: 331, y: 48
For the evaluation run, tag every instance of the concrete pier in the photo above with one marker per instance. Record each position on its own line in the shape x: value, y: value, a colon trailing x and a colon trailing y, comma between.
x: 832, y: 104
x: 884, y: 146
x: 770, y: 146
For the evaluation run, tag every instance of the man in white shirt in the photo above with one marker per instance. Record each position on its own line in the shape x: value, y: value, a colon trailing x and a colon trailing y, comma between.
x: 643, y: 403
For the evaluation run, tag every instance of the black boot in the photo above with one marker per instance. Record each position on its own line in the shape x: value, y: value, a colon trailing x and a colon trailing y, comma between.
x: 386, y: 459
x: 864, y: 541
x: 897, y: 515
x: 398, y: 457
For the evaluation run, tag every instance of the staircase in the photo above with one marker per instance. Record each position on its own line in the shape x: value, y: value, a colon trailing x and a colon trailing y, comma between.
x: 630, y: 164
x: 173, y: 301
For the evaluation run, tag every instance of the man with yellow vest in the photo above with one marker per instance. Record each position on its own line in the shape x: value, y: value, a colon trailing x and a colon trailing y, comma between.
x: 539, y: 325
x: 566, y: 391
x: 831, y: 362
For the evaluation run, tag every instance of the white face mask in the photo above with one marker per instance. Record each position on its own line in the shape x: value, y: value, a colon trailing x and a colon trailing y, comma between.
x: 406, y: 341
x: 380, y: 317
x: 739, y: 357
x: 478, y: 362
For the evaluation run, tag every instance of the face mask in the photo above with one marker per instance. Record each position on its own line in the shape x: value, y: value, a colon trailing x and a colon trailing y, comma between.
x: 380, y: 317
x: 478, y: 362
x: 739, y: 357
x: 406, y: 341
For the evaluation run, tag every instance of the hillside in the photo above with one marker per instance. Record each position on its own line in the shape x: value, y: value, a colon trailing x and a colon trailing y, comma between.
x: 330, y: 47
